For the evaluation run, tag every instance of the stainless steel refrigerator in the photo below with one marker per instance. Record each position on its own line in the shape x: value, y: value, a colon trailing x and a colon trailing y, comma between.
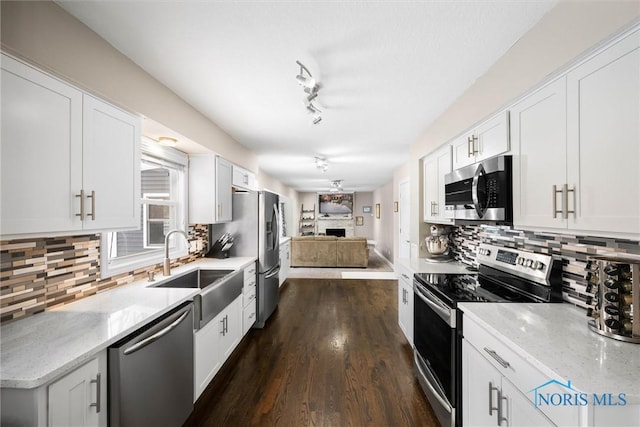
x: 255, y: 232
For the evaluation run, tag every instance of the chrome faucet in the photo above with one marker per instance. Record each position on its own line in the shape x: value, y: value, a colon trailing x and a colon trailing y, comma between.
x: 166, y: 268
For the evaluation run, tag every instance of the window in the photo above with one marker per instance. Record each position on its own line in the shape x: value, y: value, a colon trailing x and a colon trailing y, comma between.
x: 164, y: 207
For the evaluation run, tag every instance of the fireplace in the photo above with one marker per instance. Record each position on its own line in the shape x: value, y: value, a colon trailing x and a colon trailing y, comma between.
x: 338, y: 232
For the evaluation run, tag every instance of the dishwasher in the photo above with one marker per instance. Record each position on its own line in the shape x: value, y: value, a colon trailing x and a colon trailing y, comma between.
x: 151, y: 373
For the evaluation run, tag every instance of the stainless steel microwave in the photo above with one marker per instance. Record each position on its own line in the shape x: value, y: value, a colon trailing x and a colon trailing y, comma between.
x: 480, y: 192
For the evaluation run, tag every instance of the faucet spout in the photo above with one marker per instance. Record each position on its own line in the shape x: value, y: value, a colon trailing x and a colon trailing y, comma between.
x: 166, y: 268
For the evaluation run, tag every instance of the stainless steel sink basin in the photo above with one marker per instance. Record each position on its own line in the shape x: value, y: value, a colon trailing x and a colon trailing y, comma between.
x: 219, y: 289
x: 196, y: 279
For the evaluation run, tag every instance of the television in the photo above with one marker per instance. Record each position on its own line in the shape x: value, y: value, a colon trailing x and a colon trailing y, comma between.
x: 335, y: 203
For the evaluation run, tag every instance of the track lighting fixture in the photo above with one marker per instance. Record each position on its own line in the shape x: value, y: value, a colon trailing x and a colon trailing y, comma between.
x: 310, y: 86
x: 336, y: 185
x: 321, y: 164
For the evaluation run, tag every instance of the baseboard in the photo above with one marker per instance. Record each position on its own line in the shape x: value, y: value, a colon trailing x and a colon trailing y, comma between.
x: 389, y: 263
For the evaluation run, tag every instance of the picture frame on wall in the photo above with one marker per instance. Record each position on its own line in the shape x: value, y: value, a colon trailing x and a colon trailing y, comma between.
x: 359, y: 220
x: 366, y: 209
x: 378, y: 210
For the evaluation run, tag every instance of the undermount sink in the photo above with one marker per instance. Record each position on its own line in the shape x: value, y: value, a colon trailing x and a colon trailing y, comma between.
x: 196, y: 279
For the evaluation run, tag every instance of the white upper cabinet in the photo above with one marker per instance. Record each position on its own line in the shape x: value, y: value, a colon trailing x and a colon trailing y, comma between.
x: 244, y: 179
x: 436, y: 166
x: 488, y: 139
x: 603, y: 135
x: 111, y: 166
x: 576, y: 145
x: 210, y: 195
x: 538, y: 143
x: 64, y: 153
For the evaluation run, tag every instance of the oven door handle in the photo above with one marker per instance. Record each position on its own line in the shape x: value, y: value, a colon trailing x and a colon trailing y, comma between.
x: 430, y: 380
x: 431, y: 300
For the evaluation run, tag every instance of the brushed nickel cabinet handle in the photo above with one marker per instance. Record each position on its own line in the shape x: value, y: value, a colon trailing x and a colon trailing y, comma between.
x: 502, y: 411
x: 93, y: 205
x: 555, y: 192
x: 81, y: 196
x: 469, y: 147
x: 499, y: 359
x: 566, y: 192
x: 491, y: 407
x: 97, y: 402
x: 474, y: 138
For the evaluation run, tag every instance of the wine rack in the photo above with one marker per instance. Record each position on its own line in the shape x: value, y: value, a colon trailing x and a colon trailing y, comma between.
x: 615, y: 307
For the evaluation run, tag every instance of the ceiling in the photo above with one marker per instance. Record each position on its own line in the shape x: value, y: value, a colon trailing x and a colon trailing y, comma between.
x: 386, y: 70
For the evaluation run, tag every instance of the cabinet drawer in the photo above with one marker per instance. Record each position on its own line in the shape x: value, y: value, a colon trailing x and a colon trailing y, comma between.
x: 404, y: 274
x: 249, y: 295
x: 250, y: 273
x: 520, y: 372
x: 249, y: 318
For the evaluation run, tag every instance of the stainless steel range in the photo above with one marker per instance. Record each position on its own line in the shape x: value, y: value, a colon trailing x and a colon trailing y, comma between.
x: 503, y: 275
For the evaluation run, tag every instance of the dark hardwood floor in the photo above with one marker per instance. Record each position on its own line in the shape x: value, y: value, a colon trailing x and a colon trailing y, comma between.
x: 331, y: 355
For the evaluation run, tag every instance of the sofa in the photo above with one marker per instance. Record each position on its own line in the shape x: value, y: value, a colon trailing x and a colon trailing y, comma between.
x: 329, y: 251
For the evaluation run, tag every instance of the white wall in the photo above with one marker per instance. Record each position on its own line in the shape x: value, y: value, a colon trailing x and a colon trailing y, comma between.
x: 566, y: 32
x: 383, y: 227
x: 364, y: 198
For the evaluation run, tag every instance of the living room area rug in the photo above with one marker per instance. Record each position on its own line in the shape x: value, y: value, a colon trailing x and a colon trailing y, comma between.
x: 378, y: 268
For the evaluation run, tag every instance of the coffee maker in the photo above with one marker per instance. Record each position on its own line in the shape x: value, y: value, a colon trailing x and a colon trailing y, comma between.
x: 615, y: 308
x: 437, y: 244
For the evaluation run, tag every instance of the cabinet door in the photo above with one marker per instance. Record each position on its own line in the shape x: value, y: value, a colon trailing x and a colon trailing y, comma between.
x: 480, y: 389
x: 231, y: 328
x: 430, y: 180
x: 223, y: 190
x: 206, y: 353
x: 463, y: 151
x: 443, y: 161
x: 41, y: 152
x: 111, y: 166
x: 517, y: 410
x: 78, y: 398
x: 492, y: 137
x: 603, y: 139
x: 202, y: 188
x: 405, y: 308
x: 538, y: 137
x: 241, y: 178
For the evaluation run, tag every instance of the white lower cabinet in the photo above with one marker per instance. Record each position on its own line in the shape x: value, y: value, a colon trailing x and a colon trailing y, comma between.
x: 214, y: 343
x: 489, y: 399
x: 405, y: 302
x: 499, y: 385
x: 249, y: 293
x: 80, y: 397
x: 77, y: 399
x: 285, y: 262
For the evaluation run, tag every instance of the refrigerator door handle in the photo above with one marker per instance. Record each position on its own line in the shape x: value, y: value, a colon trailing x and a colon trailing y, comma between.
x: 274, y: 226
x: 272, y: 273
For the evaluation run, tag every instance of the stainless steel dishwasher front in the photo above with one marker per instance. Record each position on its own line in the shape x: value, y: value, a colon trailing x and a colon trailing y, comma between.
x: 151, y: 373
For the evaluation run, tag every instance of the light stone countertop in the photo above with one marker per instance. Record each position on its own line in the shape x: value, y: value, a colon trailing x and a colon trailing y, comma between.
x: 43, y: 347
x: 556, y: 340
x: 420, y: 265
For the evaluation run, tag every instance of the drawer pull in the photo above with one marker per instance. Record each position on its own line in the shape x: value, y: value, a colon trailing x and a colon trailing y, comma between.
x: 499, y: 359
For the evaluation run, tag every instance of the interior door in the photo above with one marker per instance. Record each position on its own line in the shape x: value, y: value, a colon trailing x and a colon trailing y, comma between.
x: 404, y: 242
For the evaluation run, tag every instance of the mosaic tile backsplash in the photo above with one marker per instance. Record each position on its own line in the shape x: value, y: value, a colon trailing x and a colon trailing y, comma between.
x: 39, y: 274
x: 573, y: 250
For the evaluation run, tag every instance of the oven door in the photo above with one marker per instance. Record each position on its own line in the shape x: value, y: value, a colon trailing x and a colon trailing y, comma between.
x: 435, y: 341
